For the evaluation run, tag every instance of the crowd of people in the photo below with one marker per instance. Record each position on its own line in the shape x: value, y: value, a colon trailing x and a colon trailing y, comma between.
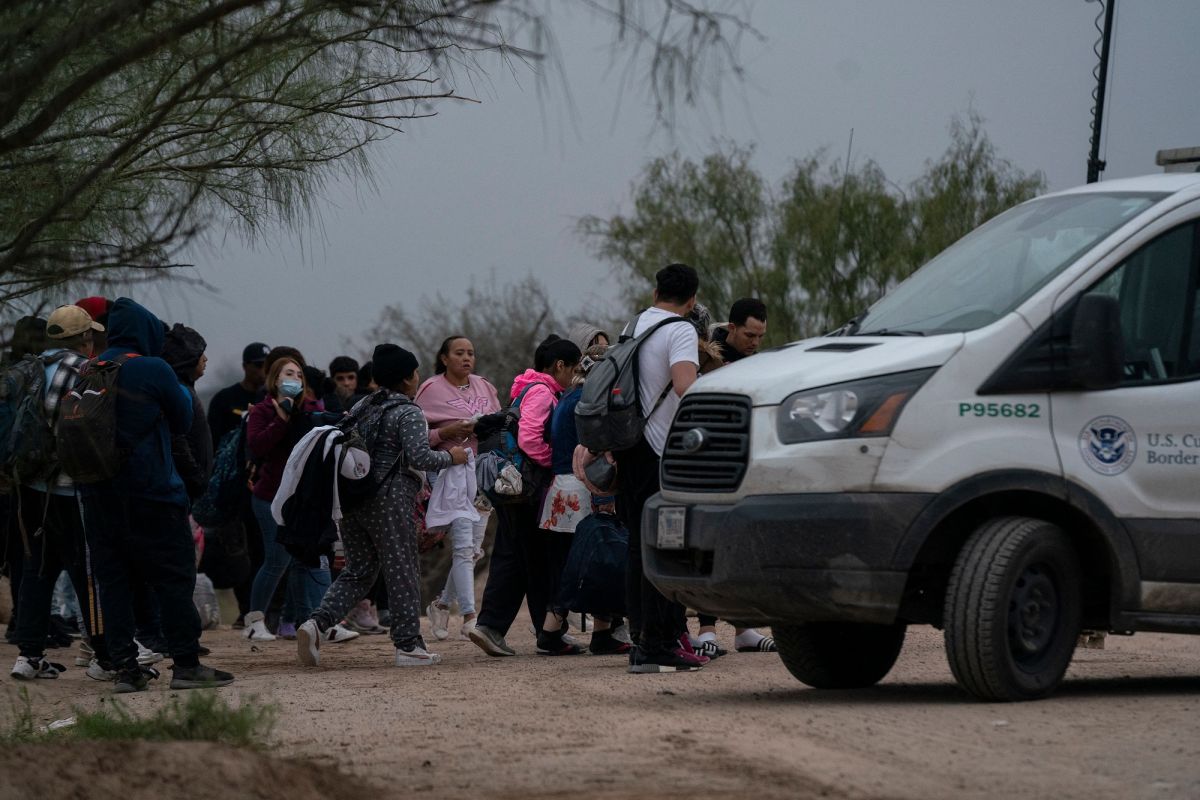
x: 125, y: 536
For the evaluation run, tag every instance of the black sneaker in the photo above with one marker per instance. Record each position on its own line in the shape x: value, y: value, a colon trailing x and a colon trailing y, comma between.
x: 552, y: 644
x: 489, y: 641
x: 135, y: 679
x: 644, y: 661
x: 199, y: 677
x: 605, y: 644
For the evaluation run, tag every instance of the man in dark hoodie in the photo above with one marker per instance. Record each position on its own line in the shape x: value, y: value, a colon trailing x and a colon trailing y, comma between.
x: 137, y: 522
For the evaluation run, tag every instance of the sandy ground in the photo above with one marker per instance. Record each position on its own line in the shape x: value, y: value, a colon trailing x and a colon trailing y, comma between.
x: 1122, y: 726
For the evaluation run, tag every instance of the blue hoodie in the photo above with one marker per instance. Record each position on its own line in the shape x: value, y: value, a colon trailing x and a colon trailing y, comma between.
x: 151, y: 405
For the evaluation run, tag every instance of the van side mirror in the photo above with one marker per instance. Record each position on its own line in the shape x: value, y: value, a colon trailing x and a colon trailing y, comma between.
x: 1096, y: 355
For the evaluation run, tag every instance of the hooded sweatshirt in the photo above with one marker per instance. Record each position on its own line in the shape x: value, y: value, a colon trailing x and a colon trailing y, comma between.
x: 443, y: 403
x: 584, y: 334
x: 151, y: 406
x: 193, y: 451
x: 536, y: 409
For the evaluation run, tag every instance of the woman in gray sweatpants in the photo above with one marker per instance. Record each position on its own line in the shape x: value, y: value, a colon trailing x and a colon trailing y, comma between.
x: 382, y: 533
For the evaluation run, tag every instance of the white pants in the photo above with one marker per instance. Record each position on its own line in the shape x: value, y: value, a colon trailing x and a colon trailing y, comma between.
x: 466, y: 541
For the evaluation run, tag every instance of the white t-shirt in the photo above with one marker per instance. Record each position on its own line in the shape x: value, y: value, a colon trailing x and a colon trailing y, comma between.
x: 672, y: 344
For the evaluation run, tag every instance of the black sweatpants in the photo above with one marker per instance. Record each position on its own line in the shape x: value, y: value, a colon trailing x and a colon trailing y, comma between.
x: 54, y: 530
x: 655, y: 621
x: 519, y: 569
x: 133, y: 539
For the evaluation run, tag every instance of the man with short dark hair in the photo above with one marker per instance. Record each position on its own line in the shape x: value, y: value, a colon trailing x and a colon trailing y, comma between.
x: 227, y: 406
x: 668, y: 361
x: 343, y: 371
x: 744, y: 333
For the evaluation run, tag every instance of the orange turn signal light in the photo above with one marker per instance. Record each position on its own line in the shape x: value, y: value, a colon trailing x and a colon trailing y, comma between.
x: 884, y: 417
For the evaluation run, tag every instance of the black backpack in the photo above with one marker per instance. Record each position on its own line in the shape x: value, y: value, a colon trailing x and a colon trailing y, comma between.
x: 609, y: 414
x: 593, y: 578
x: 27, y: 451
x: 86, y: 430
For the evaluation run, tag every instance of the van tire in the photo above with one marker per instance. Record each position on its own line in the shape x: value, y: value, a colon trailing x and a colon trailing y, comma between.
x: 1008, y: 565
x: 838, y: 655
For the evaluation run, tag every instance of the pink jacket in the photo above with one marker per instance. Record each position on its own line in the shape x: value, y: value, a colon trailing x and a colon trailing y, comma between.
x: 536, y: 408
x: 444, y: 403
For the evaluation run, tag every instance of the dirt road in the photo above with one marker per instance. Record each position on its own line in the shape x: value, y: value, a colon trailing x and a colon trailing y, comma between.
x: 1123, y: 726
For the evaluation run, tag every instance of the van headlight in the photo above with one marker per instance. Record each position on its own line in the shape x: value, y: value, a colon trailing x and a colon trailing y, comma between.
x: 869, y: 407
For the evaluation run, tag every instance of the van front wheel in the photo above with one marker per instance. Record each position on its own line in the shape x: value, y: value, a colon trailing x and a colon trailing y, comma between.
x: 838, y: 655
x: 1012, y: 609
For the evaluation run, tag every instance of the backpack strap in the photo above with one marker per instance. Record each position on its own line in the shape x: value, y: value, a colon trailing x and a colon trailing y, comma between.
x: 639, y: 340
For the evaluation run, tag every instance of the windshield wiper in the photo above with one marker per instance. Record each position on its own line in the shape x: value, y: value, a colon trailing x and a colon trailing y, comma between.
x: 887, y: 332
x: 851, y: 327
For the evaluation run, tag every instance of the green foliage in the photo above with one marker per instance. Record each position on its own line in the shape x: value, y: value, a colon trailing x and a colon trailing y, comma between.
x: 819, y: 248
x: 201, y: 716
x: 966, y: 187
x: 129, y: 127
x: 22, y: 727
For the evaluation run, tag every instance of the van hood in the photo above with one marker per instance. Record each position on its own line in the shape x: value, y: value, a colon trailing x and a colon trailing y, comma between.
x: 769, y: 377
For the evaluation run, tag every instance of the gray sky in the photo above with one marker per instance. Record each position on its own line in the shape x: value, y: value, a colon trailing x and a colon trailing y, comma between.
x: 498, y: 186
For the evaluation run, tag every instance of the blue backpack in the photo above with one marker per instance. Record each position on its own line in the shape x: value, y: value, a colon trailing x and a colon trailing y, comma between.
x: 534, y: 477
x: 593, y: 579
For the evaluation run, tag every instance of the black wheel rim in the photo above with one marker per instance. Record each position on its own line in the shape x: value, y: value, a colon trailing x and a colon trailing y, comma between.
x: 1034, y: 609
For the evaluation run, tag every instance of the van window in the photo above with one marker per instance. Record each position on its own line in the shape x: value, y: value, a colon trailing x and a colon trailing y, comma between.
x: 1156, y: 289
x: 995, y: 268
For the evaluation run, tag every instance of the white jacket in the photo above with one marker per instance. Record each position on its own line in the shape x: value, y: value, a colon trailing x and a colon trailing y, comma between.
x: 355, y: 465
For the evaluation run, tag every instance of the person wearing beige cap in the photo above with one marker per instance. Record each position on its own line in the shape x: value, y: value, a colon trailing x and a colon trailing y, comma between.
x: 70, y: 322
x: 47, y: 503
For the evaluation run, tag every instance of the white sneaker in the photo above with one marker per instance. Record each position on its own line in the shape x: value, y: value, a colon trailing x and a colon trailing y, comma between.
x: 86, y: 655
x: 256, y: 628
x: 416, y: 657
x: 308, y: 643
x: 571, y: 640
x: 337, y: 634
x: 621, y: 634
x: 27, y: 669
x: 439, y: 621
x: 363, y: 619
x: 146, y: 656
x: 99, y: 673
x: 467, y: 626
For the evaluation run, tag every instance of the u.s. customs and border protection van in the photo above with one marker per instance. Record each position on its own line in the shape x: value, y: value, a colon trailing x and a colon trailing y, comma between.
x: 1006, y: 446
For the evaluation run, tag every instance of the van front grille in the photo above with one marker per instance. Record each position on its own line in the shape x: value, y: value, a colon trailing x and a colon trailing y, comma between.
x: 708, y: 445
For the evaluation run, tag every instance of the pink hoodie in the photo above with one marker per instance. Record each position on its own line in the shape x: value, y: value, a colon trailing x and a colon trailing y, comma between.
x: 444, y: 403
x: 536, y: 408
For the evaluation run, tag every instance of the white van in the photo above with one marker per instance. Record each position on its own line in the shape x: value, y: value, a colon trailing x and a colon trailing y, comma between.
x: 1006, y: 446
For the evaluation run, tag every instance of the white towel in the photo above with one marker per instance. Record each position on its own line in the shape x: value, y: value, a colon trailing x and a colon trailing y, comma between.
x: 453, y: 495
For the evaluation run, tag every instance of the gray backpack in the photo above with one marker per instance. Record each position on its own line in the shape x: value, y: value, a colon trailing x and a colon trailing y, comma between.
x: 609, y: 414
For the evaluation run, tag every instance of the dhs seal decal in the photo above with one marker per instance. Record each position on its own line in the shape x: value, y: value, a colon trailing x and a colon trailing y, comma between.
x: 1108, y: 445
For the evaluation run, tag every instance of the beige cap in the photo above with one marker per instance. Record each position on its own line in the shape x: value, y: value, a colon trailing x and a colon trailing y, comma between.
x: 68, y: 321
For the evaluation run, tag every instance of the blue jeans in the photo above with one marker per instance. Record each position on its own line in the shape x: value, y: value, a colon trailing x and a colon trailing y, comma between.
x: 306, y: 586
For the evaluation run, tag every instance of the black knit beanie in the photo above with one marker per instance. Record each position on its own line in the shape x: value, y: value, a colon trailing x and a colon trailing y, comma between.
x: 392, y: 364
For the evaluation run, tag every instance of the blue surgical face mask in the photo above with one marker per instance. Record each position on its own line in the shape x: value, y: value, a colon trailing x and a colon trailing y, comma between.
x: 291, y: 388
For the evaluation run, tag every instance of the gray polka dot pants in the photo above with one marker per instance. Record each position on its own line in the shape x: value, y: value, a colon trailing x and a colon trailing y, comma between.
x: 380, y: 535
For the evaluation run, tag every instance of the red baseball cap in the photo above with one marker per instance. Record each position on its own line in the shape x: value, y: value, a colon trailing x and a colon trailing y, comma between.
x: 96, y: 307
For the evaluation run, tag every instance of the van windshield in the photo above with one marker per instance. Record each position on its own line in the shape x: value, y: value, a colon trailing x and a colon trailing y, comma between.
x: 996, y: 267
